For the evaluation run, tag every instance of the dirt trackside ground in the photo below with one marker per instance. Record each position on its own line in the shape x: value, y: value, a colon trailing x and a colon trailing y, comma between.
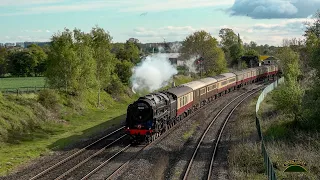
x: 245, y: 160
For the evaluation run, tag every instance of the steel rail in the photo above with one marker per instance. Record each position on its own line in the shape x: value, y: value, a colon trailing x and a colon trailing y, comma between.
x: 74, y: 154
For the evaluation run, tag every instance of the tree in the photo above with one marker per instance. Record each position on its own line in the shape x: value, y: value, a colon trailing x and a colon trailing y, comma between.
x: 202, y: 44
x: 311, y: 100
x: 289, y: 63
x: 105, y: 61
x: 251, y: 52
x: 124, y: 71
x: 236, y: 52
x: 288, y: 97
x: 128, y: 51
x: 253, y: 45
x: 228, y: 37
x: 87, y: 64
x: 133, y: 52
x: 63, y: 63
x: 39, y: 58
x: 21, y: 63
x: 3, y: 61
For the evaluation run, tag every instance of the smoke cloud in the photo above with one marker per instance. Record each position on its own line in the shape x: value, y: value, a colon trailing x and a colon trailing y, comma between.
x: 190, y: 64
x: 152, y: 73
x: 175, y: 47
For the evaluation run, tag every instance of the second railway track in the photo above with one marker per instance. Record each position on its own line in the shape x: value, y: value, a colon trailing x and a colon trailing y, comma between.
x: 201, y: 163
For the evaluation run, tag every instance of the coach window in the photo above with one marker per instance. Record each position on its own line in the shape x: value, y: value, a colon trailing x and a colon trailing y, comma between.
x: 181, y: 102
x: 187, y: 99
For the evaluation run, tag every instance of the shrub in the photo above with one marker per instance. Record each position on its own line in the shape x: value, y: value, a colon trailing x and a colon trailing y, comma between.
x: 115, y: 86
x: 49, y: 99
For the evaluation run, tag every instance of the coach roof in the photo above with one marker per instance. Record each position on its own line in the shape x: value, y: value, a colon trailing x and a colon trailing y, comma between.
x: 208, y: 80
x: 180, y: 90
x: 194, y: 84
x: 228, y: 75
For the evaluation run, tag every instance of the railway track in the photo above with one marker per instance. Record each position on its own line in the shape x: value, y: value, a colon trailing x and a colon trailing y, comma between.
x: 118, y: 171
x: 197, y: 165
x: 48, y: 173
x: 77, y: 170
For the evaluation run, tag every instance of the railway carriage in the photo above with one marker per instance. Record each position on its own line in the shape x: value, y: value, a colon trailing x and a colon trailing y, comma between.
x: 199, y: 92
x: 211, y: 86
x: 184, y: 100
x: 226, y: 82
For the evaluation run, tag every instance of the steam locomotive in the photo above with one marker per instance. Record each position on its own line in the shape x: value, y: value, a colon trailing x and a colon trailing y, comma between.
x: 151, y: 115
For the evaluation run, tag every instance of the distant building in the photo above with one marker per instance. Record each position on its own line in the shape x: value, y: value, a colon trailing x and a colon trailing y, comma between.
x: 174, y: 59
x: 20, y: 44
x: 8, y: 45
x: 267, y: 60
x: 1, y: 45
x: 41, y: 44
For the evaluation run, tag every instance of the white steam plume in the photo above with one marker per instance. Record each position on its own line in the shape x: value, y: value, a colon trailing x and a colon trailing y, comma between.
x: 175, y: 47
x: 190, y: 64
x: 152, y: 73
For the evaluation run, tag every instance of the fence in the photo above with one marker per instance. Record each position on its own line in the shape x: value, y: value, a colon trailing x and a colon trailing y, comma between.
x: 22, y: 90
x: 270, y: 170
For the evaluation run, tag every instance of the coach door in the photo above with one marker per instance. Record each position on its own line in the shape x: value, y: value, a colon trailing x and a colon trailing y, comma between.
x: 203, y: 93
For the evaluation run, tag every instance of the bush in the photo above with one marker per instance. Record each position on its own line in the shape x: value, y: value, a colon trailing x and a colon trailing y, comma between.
x: 49, y: 99
x: 115, y: 87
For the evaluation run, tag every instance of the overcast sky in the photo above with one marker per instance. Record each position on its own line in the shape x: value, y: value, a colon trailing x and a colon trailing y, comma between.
x: 263, y: 21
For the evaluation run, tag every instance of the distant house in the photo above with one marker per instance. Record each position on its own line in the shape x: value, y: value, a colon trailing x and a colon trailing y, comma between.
x: 20, y: 44
x: 174, y: 59
x: 8, y: 45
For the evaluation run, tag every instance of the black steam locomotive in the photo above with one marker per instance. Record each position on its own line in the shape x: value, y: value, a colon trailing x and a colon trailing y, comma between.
x: 151, y: 115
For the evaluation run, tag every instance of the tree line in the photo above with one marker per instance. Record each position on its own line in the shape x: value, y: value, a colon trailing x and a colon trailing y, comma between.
x: 23, y: 62
x: 299, y: 97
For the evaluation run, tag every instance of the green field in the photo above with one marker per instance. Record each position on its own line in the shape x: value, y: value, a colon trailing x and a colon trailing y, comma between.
x: 15, y: 83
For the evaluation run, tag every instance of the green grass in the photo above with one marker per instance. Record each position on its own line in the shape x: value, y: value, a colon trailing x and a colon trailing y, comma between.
x: 31, y: 132
x: 29, y: 129
x: 189, y: 133
x: 22, y: 82
x: 285, y: 141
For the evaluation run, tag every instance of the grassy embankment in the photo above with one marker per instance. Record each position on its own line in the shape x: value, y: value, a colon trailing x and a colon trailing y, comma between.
x: 37, y: 124
x: 285, y: 141
x: 282, y: 141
